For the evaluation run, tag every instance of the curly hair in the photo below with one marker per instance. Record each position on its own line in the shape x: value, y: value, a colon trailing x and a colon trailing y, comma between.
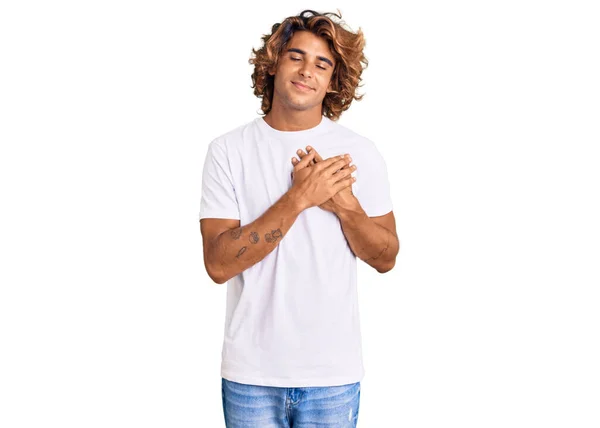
x: 346, y: 47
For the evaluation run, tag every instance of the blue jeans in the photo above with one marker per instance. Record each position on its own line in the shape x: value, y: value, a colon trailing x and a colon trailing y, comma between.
x: 254, y: 406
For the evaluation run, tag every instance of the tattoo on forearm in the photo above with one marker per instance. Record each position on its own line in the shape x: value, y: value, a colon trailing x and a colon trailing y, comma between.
x: 253, y: 237
x: 273, y: 236
x: 242, y: 251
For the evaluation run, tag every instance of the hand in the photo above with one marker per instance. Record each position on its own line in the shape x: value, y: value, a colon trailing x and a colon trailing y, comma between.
x: 344, y: 198
x: 317, y: 183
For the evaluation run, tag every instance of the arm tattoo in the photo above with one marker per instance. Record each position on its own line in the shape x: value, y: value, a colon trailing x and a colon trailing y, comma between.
x: 253, y: 237
x: 236, y: 233
x: 273, y: 236
x: 242, y: 251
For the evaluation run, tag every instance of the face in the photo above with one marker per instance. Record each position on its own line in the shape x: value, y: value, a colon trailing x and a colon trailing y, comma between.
x: 306, y: 60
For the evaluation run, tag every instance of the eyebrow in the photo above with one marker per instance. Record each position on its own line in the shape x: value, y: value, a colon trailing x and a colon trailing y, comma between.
x: 322, y: 58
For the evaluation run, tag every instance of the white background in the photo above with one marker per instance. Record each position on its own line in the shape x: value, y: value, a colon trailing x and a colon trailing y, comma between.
x: 488, y: 116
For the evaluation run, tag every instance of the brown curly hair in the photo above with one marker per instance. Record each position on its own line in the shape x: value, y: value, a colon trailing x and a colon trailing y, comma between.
x: 346, y: 47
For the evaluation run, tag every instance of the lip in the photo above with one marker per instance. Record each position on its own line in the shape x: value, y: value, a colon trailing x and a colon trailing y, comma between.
x: 302, y: 87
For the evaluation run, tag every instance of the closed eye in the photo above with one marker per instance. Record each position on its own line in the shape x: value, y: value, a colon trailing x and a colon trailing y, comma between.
x: 298, y: 59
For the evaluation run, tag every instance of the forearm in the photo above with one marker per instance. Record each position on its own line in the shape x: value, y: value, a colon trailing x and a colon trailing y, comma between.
x: 369, y: 241
x: 236, y: 250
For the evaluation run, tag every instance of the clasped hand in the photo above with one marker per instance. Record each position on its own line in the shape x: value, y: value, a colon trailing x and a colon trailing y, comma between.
x: 342, y: 199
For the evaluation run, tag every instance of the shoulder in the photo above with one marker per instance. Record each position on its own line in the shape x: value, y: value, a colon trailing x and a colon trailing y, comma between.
x: 355, y: 141
x: 231, y: 137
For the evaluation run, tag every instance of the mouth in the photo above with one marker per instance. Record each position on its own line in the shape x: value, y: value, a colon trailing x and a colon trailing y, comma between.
x: 302, y: 87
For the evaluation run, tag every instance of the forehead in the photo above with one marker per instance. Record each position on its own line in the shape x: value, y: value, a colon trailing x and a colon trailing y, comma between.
x: 310, y: 43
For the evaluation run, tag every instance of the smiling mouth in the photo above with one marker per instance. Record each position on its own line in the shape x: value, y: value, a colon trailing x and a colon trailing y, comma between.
x: 301, y: 87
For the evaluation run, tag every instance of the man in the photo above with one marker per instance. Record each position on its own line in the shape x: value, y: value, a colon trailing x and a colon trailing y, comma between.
x: 285, y: 234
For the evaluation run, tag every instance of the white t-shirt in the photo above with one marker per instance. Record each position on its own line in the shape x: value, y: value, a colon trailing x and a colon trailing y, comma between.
x: 292, y: 319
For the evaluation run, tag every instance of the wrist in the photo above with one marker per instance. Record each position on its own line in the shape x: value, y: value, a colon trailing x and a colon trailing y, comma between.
x: 353, y: 210
x: 296, y: 200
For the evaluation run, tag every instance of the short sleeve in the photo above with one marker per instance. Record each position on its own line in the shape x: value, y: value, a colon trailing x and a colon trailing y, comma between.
x: 372, y: 183
x: 218, y: 198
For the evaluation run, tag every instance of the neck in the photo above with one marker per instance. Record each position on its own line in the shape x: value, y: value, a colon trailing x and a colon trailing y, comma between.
x: 293, y: 120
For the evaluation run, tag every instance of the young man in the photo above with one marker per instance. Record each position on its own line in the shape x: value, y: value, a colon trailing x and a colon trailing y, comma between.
x: 285, y: 233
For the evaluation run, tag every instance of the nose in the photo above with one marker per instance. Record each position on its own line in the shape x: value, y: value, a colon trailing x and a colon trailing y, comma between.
x: 305, y: 70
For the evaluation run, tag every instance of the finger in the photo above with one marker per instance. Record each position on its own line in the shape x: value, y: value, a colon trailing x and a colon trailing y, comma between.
x: 318, y: 157
x: 337, y: 164
x: 329, y: 162
x: 342, y: 184
x: 302, y: 154
x: 344, y: 173
x: 306, y: 159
